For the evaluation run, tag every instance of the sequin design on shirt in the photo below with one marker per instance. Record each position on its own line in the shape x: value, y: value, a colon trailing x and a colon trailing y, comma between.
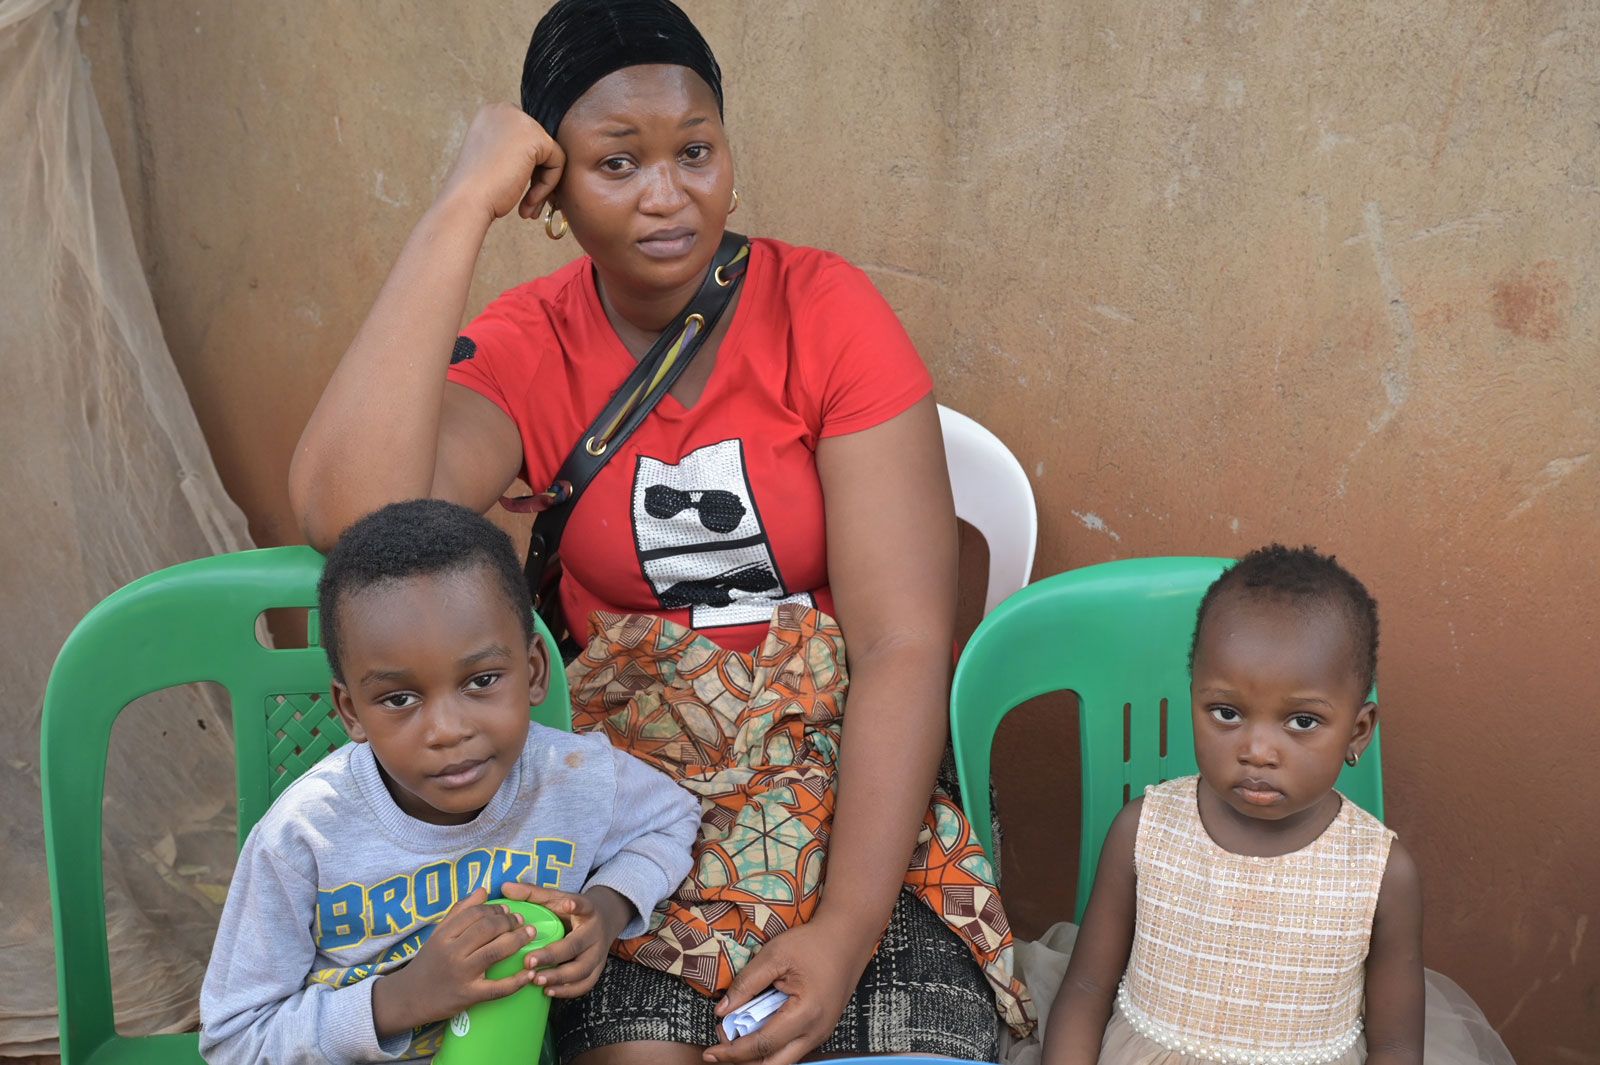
x: 701, y: 543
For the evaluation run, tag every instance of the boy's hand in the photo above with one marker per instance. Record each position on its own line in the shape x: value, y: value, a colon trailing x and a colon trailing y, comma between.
x: 447, y: 975
x: 571, y: 965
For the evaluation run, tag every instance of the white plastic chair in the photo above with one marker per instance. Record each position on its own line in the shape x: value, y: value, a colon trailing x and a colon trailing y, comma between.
x: 992, y: 495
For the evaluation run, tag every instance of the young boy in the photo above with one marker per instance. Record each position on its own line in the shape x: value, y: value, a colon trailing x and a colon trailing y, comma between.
x: 356, y: 918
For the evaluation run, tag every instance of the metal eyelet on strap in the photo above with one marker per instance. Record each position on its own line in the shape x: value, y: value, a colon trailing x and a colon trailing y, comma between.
x: 694, y: 321
x: 716, y: 275
x: 590, y: 446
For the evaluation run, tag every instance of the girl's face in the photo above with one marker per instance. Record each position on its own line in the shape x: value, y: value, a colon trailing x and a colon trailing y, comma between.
x: 648, y: 178
x: 1278, y: 704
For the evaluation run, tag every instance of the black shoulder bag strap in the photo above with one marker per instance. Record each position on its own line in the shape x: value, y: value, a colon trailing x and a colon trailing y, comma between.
x: 658, y: 369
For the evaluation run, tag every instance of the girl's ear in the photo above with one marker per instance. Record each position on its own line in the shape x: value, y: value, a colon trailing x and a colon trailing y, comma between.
x: 346, y: 707
x: 1366, y: 724
x: 538, y: 671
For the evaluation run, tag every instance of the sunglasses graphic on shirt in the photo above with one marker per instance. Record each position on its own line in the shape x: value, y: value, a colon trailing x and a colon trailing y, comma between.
x: 719, y: 511
x: 753, y: 579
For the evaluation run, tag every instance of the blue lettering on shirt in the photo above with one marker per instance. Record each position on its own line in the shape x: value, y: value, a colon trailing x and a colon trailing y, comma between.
x: 351, y: 914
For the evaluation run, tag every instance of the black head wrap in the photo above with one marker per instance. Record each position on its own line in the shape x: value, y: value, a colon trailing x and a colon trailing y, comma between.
x: 578, y: 42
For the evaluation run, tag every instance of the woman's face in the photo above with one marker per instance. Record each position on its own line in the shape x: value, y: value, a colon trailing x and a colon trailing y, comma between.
x: 648, y: 177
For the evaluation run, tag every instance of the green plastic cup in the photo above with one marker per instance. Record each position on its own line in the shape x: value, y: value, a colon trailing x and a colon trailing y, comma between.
x: 511, y: 1029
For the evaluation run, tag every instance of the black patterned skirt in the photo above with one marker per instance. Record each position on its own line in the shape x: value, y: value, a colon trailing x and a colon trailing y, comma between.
x: 922, y: 993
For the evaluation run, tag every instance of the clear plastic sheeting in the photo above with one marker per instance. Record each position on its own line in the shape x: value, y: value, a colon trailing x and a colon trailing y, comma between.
x: 105, y: 478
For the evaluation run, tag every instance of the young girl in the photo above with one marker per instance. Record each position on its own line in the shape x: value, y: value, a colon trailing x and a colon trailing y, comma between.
x: 1251, y: 914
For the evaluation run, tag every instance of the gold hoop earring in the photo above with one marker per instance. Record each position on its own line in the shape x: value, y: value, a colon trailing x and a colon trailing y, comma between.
x: 551, y: 214
x: 1352, y: 759
x: 734, y: 206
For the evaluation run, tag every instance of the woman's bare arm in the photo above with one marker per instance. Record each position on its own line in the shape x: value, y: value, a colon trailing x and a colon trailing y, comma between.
x: 892, y: 566
x: 892, y: 551
x: 387, y: 427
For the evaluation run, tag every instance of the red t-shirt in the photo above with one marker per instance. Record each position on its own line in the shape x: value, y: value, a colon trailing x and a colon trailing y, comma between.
x: 709, y: 515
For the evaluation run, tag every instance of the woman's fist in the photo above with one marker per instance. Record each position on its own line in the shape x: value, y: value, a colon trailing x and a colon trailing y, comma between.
x: 507, y: 162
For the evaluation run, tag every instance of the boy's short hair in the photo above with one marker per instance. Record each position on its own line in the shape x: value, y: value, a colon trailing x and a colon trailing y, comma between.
x: 1302, y: 574
x: 416, y: 538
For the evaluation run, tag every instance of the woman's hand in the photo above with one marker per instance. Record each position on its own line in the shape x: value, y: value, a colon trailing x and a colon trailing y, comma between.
x: 818, y: 968
x: 571, y: 965
x: 447, y: 975
x: 507, y: 162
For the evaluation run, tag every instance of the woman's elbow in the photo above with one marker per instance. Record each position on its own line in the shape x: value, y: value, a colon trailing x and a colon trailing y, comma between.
x: 914, y: 643
x: 309, y: 497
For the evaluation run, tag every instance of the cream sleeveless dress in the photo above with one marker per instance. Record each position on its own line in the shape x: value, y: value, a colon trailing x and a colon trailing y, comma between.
x: 1262, y: 961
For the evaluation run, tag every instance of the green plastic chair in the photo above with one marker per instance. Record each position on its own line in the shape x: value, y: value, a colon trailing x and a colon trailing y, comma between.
x: 1117, y: 635
x: 193, y: 622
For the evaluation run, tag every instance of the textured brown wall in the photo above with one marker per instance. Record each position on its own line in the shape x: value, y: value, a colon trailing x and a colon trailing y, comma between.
x: 1217, y: 272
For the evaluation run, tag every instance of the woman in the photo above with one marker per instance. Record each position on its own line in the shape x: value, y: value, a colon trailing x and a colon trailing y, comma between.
x: 804, y: 428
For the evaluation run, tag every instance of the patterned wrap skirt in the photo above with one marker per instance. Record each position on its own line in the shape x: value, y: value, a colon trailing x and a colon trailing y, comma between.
x: 756, y: 737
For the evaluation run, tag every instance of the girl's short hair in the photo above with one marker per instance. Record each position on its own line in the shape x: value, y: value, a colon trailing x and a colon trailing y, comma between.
x: 1302, y: 574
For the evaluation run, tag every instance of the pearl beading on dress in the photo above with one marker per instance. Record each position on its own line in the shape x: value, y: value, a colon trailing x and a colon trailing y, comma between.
x: 1177, y: 1041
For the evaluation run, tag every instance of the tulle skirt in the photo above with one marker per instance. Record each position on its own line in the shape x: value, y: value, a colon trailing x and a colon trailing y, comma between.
x: 1456, y: 1032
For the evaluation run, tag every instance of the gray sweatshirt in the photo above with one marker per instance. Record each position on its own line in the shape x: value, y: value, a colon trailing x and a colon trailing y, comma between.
x: 337, y: 886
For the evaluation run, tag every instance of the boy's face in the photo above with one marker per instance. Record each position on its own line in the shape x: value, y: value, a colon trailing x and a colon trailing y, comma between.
x: 438, y: 678
x: 1277, y: 704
